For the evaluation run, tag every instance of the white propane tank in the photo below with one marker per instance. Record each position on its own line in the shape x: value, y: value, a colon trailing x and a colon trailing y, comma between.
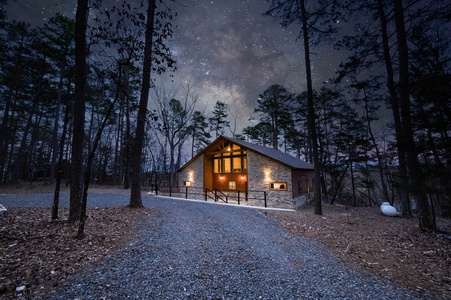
x: 389, y: 210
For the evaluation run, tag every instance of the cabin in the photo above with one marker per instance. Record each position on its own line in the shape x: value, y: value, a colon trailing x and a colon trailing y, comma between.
x: 250, y: 173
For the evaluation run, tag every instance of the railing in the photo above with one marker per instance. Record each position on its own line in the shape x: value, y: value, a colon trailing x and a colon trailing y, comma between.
x: 215, y: 195
x: 207, y: 195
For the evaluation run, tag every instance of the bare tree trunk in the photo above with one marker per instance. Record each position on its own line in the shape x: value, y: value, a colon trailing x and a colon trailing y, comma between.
x: 426, y: 220
x: 311, y: 112
x: 20, y: 152
x: 127, y: 147
x: 87, y: 173
x: 3, y: 136
x: 405, y: 200
x: 135, y: 194
x: 59, y: 174
x: 55, y: 131
x: 376, y: 149
x: 76, y: 186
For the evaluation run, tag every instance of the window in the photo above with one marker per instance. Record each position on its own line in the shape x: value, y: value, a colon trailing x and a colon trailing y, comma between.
x: 278, y: 186
x: 232, y: 185
x: 237, y: 164
x: 230, y: 159
x: 227, y: 167
x: 217, y: 166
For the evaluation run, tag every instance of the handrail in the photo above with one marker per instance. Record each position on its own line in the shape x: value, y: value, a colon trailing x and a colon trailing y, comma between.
x: 216, y: 194
x: 208, y: 196
x: 219, y: 198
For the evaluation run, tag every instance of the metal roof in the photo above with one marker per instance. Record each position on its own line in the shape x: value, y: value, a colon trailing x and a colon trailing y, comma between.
x: 275, y: 154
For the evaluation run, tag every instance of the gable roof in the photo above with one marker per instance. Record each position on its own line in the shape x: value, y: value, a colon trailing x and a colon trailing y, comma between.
x: 283, y: 158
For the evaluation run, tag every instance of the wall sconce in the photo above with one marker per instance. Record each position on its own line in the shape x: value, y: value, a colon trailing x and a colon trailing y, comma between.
x: 221, y: 178
x: 243, y: 178
x: 191, y: 176
x: 267, y: 178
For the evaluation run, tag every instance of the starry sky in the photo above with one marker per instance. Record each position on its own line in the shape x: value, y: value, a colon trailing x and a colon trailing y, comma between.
x: 228, y: 50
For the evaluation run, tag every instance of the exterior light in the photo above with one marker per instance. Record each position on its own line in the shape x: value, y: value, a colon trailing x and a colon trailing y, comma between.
x: 267, y: 176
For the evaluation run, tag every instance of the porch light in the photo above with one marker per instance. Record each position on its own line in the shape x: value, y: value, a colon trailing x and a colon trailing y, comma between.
x: 221, y: 178
x: 267, y: 178
x: 243, y: 178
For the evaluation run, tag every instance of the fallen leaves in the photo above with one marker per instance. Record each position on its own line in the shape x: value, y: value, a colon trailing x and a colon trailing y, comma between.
x: 38, y: 253
x: 393, y: 248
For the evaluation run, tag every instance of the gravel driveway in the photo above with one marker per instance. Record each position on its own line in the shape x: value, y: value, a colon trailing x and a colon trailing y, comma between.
x: 196, y: 250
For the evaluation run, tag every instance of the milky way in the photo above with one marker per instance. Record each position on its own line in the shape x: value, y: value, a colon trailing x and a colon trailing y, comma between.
x: 228, y: 50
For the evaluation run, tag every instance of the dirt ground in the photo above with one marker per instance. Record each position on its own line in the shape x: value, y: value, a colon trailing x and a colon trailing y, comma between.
x: 392, y: 248
x: 37, y: 253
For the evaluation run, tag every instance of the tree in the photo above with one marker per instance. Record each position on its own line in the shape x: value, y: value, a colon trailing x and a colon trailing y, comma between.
x: 275, y: 106
x: 58, y: 38
x: 174, y: 119
x: 386, y: 40
x: 426, y: 220
x: 135, y: 195
x: 16, y: 53
x: 218, y: 120
x: 156, y: 58
x: 316, y: 18
x: 259, y: 134
x: 199, y: 132
x: 371, y: 101
x: 431, y: 109
x: 80, y: 75
x: 88, y: 170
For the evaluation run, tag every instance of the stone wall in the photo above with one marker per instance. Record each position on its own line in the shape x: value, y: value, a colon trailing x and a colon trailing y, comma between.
x: 302, y: 200
x: 262, y: 171
x: 194, y: 173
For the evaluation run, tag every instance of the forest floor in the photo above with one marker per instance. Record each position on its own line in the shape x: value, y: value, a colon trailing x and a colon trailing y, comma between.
x: 37, y: 254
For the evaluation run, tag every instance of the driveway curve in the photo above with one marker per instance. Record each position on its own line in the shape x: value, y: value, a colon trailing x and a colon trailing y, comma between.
x: 195, y: 250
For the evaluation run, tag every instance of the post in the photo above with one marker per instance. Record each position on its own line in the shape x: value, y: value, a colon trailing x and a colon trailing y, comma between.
x: 170, y: 191
x: 156, y: 189
x: 238, y: 197
x: 186, y: 193
x: 265, y: 199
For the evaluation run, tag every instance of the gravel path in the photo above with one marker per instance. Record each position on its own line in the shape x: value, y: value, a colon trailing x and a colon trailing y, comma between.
x: 196, y: 250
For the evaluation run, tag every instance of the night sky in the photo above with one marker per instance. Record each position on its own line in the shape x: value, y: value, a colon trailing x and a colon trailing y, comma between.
x: 228, y: 50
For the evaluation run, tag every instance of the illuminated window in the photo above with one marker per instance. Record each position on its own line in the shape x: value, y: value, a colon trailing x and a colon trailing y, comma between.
x: 227, y: 167
x: 278, y: 186
x: 217, y: 165
x: 237, y: 164
x: 230, y: 159
x: 232, y: 185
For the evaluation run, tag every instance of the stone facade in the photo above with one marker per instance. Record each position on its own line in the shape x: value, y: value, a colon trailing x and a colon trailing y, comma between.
x: 194, y: 173
x: 262, y: 172
x: 270, y: 176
